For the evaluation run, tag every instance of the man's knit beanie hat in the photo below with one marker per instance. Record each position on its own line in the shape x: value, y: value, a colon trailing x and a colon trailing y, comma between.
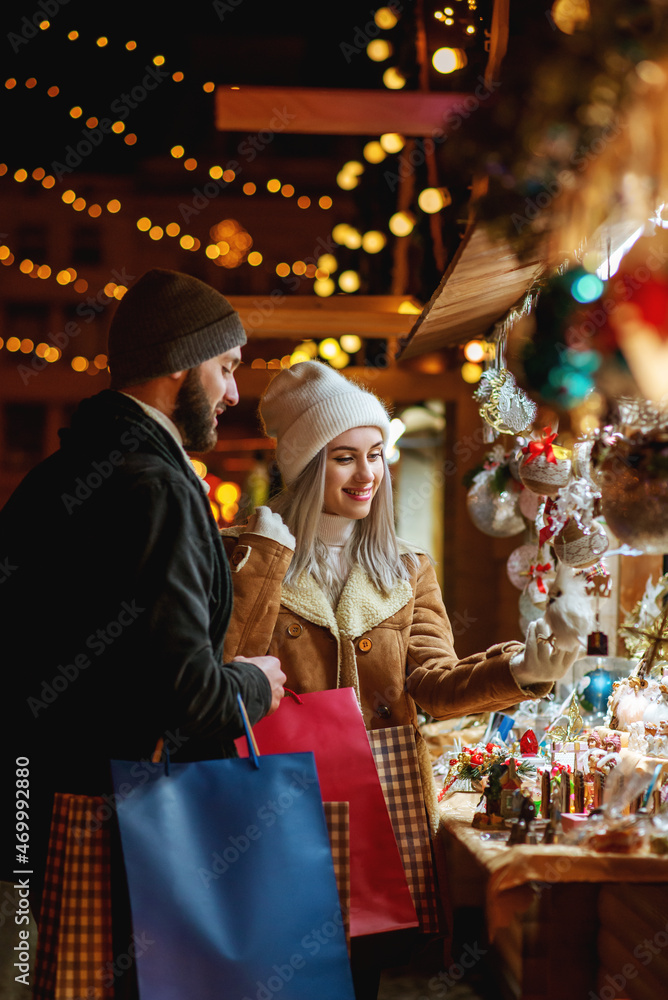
x: 169, y: 322
x: 308, y: 405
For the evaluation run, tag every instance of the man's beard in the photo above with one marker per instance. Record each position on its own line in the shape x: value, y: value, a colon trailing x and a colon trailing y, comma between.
x: 193, y: 414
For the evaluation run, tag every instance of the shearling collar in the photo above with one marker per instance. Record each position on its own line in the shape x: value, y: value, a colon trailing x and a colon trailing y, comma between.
x: 361, y: 605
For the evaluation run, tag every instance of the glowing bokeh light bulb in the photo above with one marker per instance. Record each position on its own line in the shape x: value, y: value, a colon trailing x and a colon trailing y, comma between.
x: 373, y: 241
x: 329, y: 347
x: 386, y: 18
x: 393, y: 79
x: 587, y: 288
x: 374, y: 152
x: 402, y: 223
x: 349, y: 281
x: 351, y: 343
x: 448, y: 60
x: 379, y: 49
x: 474, y: 351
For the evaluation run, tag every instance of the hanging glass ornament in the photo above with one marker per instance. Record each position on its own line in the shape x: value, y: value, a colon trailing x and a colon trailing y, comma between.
x: 593, y: 677
x: 582, y: 465
x: 633, y: 480
x: 540, y: 575
x: 519, y: 561
x: 503, y: 406
x: 529, y: 503
x: 578, y: 539
x: 494, y: 513
x: 492, y: 500
x: 580, y: 545
x: 545, y: 467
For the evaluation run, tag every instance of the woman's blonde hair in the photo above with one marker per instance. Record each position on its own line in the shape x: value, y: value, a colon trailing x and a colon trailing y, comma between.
x: 373, y: 544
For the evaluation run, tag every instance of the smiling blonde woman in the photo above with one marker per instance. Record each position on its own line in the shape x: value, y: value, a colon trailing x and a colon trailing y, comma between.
x: 322, y: 581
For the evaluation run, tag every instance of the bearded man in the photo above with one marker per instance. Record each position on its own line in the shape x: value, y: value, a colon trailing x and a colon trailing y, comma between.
x: 119, y: 596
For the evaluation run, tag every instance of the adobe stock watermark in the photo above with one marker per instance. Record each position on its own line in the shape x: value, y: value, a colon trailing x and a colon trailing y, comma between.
x: 111, y: 971
x: 555, y: 872
x: 224, y: 7
x: 6, y: 569
x: 452, y: 121
x: 236, y: 846
x: 311, y: 943
x: 264, y: 308
x: 445, y: 980
x: 623, y: 288
x: 578, y: 161
x: 101, y: 470
x: 87, y: 310
x: 120, y: 107
x: 141, y: 771
x: 643, y: 953
x: 463, y: 450
x: 7, y: 906
x: 30, y: 24
x: 97, y: 643
x: 248, y: 149
x: 363, y: 35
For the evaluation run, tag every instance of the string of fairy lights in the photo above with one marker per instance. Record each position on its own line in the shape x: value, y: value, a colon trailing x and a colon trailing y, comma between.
x: 229, y: 244
x: 221, y: 252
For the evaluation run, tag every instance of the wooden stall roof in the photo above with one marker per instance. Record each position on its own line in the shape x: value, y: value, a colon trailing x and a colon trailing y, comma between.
x: 485, y: 280
x: 601, y: 211
x: 482, y: 282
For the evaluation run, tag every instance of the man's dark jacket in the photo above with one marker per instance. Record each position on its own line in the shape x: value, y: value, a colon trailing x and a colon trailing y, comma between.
x: 115, y: 602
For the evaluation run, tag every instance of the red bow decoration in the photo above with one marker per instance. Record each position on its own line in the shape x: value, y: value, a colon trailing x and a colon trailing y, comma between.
x: 550, y: 527
x: 542, y: 447
x: 535, y: 574
x: 546, y: 532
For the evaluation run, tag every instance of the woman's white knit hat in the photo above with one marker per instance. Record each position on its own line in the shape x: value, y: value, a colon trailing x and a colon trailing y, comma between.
x: 308, y: 405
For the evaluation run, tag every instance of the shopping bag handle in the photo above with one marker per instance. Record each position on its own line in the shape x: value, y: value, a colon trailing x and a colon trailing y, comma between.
x: 253, y: 751
x: 161, y: 750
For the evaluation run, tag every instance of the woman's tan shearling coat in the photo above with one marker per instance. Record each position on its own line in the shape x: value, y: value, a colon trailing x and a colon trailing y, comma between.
x: 396, y: 650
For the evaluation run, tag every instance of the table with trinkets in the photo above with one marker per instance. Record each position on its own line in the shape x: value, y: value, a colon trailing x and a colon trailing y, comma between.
x: 559, y: 920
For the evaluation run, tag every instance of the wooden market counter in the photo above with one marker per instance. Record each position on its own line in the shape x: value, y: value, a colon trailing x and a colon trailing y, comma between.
x: 561, y: 921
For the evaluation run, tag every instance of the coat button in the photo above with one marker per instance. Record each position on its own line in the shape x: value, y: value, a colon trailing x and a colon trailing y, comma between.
x: 383, y: 711
x: 238, y: 557
x: 294, y: 629
x: 364, y: 645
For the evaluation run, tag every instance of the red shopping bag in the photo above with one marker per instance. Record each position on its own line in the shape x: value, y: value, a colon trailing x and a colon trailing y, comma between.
x: 330, y: 724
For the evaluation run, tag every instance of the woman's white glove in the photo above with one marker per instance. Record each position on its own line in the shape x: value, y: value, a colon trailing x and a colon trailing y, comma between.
x: 541, y: 660
x: 266, y: 522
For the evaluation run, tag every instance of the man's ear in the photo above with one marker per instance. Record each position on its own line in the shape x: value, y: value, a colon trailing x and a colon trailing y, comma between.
x: 177, y: 375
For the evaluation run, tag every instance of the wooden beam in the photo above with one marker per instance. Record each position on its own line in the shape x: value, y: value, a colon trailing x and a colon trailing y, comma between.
x: 332, y: 111
x: 294, y: 317
x: 396, y: 386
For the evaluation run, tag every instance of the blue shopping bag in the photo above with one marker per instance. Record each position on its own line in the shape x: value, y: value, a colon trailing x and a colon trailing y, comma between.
x: 231, y: 880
